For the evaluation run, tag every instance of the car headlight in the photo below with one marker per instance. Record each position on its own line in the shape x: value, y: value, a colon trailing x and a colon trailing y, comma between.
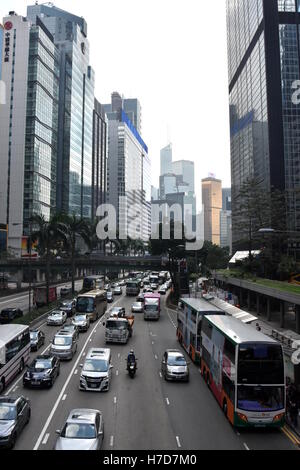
x: 8, y: 432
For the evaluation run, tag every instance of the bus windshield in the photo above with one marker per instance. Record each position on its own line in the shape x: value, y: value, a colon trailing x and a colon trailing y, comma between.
x: 85, y: 304
x: 260, y: 364
x: 262, y: 399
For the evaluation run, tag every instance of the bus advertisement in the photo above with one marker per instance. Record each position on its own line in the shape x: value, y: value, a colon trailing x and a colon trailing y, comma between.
x: 245, y: 371
x: 189, y: 321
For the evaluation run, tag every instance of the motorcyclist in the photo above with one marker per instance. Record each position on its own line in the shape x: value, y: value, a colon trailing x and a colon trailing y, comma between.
x: 131, y: 358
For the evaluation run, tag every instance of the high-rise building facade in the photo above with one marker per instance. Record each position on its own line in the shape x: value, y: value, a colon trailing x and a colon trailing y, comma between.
x: 226, y: 220
x: 28, y: 126
x: 264, y: 63
x: 129, y: 173
x: 166, y: 158
x: 212, y: 204
x: 100, y: 152
x: 186, y: 169
x: 76, y: 107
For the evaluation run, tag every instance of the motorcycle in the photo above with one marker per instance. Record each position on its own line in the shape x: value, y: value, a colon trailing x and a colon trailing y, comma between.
x: 131, y: 367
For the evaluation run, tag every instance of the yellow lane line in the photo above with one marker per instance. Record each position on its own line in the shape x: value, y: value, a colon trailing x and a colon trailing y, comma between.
x: 291, y: 435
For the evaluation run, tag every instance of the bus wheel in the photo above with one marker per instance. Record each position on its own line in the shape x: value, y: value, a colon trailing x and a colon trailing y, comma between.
x: 21, y: 366
x: 225, y: 409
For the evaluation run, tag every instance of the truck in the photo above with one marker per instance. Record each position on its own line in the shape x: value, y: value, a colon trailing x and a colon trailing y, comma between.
x: 119, y: 330
x: 132, y: 287
x: 151, y: 306
x: 40, y: 295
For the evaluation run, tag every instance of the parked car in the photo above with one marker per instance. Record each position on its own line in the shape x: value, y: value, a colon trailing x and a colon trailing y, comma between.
x: 84, y: 430
x: 57, y: 318
x: 9, y: 314
x: 37, y: 339
x: 68, y: 306
x: 81, y: 321
x: 70, y: 328
x: 137, y: 307
x: 174, y: 366
x: 14, y: 415
x: 117, y: 290
x: 65, y: 291
x: 42, y: 372
x: 110, y: 297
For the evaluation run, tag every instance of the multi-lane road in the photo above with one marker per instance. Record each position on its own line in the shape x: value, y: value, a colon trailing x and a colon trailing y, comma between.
x: 22, y: 300
x: 146, y: 413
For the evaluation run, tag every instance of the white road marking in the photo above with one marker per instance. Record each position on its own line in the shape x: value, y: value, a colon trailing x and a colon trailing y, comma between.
x: 160, y: 374
x: 45, y: 439
x: 76, y: 372
x: 64, y: 397
x: 156, y: 357
x: 178, y: 441
x: 115, y: 400
x: 119, y: 356
x: 84, y: 354
x: 152, y: 343
x: 15, y: 388
x: 38, y: 442
x: 167, y: 400
x: 111, y: 443
x: 246, y: 447
x: 117, y: 372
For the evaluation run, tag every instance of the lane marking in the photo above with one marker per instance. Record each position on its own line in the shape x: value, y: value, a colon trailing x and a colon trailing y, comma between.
x: 64, y: 397
x: 291, y: 436
x: 246, y: 447
x: 45, y: 439
x: 15, y: 388
x: 167, y: 400
x: 111, y: 443
x: 160, y: 374
x: 152, y: 343
x: 115, y: 400
x: 76, y: 372
x: 117, y: 372
x: 156, y: 357
x: 178, y: 442
x: 46, y: 425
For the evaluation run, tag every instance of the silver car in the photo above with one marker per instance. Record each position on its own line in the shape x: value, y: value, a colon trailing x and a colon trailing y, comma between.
x: 174, y: 366
x: 81, y: 321
x: 137, y: 307
x: 57, y: 318
x: 84, y: 430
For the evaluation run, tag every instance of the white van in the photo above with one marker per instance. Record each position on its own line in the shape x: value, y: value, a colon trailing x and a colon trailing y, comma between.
x: 96, y: 371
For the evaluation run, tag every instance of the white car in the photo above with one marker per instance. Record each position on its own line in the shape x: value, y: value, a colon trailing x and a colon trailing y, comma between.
x: 162, y: 290
x: 57, y: 318
x: 137, y: 307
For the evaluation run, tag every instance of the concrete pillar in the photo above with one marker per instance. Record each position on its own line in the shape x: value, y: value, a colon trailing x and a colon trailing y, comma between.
x: 269, y: 313
x: 282, y: 314
x: 249, y: 300
x: 298, y: 319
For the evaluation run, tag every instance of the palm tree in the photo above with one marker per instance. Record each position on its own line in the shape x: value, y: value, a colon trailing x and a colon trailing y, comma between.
x: 74, y: 227
x: 47, y: 234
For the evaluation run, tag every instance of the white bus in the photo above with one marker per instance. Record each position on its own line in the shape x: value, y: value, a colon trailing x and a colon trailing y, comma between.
x: 14, y: 352
x: 93, y: 304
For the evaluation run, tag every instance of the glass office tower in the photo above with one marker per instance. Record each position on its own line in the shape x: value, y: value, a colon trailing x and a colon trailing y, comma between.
x: 264, y: 54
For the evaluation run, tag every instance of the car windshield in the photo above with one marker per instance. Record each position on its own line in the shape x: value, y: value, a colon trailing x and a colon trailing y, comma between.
x: 56, y: 314
x: 116, y: 311
x: 264, y: 399
x: 176, y: 361
x: 62, y: 341
x: 7, y: 412
x: 151, y: 308
x: 42, y: 364
x: 116, y: 325
x: 79, y: 431
x: 66, y: 305
x: 85, y: 304
x: 33, y: 335
x: 95, y: 365
x: 80, y: 318
x: 137, y: 305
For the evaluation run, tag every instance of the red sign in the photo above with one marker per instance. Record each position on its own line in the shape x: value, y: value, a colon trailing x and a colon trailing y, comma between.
x: 8, y: 25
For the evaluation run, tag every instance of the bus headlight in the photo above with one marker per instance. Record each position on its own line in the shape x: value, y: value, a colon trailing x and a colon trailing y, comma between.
x: 278, y: 417
x: 243, y: 417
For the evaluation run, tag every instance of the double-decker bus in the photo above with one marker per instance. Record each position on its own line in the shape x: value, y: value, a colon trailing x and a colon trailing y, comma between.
x: 189, y: 321
x: 93, y: 282
x: 245, y: 371
x: 14, y: 352
x: 93, y: 304
x: 133, y: 287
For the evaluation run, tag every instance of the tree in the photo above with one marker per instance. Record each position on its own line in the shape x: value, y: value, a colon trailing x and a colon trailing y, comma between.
x: 47, y: 234
x: 213, y: 257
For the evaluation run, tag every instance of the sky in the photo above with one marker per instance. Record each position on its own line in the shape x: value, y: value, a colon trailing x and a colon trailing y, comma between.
x: 172, y: 56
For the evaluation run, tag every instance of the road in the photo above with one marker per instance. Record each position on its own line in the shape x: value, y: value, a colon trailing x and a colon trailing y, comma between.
x: 22, y: 300
x: 146, y: 413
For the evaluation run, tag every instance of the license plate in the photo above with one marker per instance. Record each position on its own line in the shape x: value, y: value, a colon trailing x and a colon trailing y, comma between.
x: 37, y: 382
x: 94, y: 386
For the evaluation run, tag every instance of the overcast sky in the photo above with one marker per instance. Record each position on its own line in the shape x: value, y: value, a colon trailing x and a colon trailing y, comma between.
x: 172, y: 56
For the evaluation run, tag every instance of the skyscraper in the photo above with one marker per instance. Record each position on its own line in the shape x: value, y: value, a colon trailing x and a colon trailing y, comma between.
x: 76, y: 106
x: 264, y: 63
x: 212, y: 203
x: 129, y: 172
x: 185, y: 169
x: 100, y: 152
x: 28, y: 126
x: 166, y: 158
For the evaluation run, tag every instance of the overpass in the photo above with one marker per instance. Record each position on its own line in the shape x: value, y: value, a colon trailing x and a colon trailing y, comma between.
x: 92, y: 264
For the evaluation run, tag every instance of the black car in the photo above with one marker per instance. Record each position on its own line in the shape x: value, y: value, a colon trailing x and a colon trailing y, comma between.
x: 42, y: 372
x: 9, y: 314
x: 37, y: 339
x: 14, y: 415
x: 68, y: 306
